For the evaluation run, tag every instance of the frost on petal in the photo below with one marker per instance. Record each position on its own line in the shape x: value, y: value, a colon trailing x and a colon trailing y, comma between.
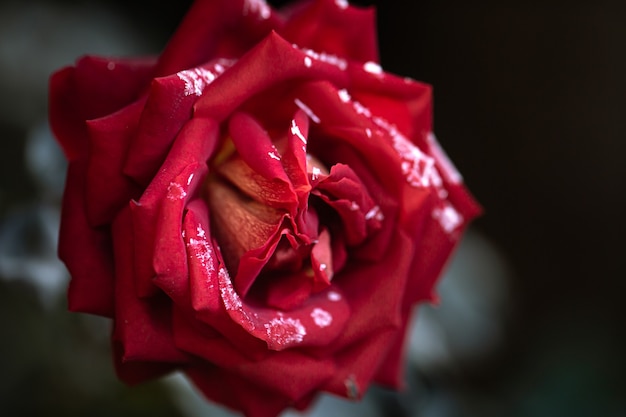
x: 175, y: 191
x: 418, y: 167
x: 322, y: 318
x: 331, y: 59
x: 449, y: 218
x: 373, y: 68
x: 275, y: 328
x: 307, y: 110
x: 285, y: 330
x: 197, y: 79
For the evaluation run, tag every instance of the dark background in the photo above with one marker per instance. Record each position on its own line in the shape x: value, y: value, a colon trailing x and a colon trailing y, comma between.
x: 530, y: 105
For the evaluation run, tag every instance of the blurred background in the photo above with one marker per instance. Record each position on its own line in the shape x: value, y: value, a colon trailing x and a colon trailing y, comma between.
x: 529, y: 104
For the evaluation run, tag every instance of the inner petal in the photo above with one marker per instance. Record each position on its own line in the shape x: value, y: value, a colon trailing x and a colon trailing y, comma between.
x: 240, y: 223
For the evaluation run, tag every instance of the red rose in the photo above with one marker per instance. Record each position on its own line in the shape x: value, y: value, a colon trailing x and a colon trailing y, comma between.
x: 259, y: 207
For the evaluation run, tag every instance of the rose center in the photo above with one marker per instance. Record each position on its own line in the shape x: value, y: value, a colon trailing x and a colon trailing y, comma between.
x: 271, y: 240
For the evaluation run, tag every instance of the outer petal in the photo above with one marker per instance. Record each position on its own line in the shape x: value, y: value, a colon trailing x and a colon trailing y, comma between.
x: 136, y: 372
x: 212, y: 28
x: 373, y: 292
x: 392, y: 367
x: 334, y: 27
x: 272, y: 62
x: 108, y: 189
x: 142, y: 326
x: 237, y: 393
x: 405, y: 103
x: 92, y: 89
x: 86, y: 251
x: 289, y: 373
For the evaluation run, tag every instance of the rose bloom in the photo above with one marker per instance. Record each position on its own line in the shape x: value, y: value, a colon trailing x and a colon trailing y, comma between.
x: 259, y: 207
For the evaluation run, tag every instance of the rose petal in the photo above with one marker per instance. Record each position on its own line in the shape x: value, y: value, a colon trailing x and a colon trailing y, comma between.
x: 334, y: 27
x: 270, y: 63
x: 385, y: 212
x: 242, y: 226
x: 87, y: 252
x: 93, y: 88
x: 364, y: 342
x: 392, y: 368
x: 347, y: 131
x: 284, y: 330
x: 194, y: 144
x: 167, y: 109
x: 357, y: 365
x: 66, y: 121
x: 170, y: 254
x: 267, y: 181
x: 289, y: 373
x: 108, y: 189
x: 235, y: 392
x: 142, y: 326
x: 288, y: 291
x: 372, y: 290
x: 215, y: 28
x: 405, y: 103
x: 206, y: 299
x: 321, y: 261
x: 344, y: 192
x: 136, y: 372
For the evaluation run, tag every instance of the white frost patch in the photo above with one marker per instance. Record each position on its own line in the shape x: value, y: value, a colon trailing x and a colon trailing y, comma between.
x: 175, y: 192
x: 361, y: 109
x: 306, y: 109
x: 232, y: 302
x: 285, y: 330
x: 273, y: 155
x: 449, y: 218
x: 307, y: 62
x: 354, y: 206
x: 334, y: 296
x: 331, y: 59
x: 344, y: 95
x: 258, y: 7
x: 295, y: 130
x: 201, y: 249
x: 417, y: 166
x: 196, y: 80
x: 368, y: 132
x: 373, y: 68
x: 322, y: 318
x: 375, y: 213
x: 342, y: 4
x: 230, y: 298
